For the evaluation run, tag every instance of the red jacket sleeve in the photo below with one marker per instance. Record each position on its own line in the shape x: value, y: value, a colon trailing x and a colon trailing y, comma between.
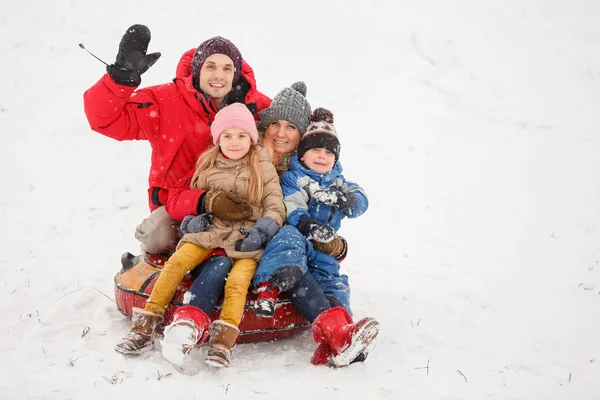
x: 120, y: 113
x: 182, y: 200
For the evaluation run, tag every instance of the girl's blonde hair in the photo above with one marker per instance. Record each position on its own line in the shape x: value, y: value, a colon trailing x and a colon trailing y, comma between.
x: 268, y: 145
x: 250, y: 161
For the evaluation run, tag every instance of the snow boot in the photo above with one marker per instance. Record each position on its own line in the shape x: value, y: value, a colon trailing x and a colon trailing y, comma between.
x: 264, y: 305
x: 222, y: 338
x: 141, y: 337
x: 346, y: 339
x: 189, y: 328
x: 323, y: 353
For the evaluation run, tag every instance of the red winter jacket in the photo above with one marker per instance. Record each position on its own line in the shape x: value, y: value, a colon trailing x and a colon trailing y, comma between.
x: 174, y: 118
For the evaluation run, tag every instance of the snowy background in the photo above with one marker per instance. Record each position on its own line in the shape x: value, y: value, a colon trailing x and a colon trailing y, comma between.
x: 473, y: 126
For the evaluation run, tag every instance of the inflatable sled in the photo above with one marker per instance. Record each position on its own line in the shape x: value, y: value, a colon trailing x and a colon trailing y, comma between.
x: 135, y: 280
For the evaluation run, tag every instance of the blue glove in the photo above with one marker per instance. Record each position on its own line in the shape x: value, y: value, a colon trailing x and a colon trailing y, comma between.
x: 195, y: 223
x: 336, y: 196
x: 316, y: 230
x: 258, y: 236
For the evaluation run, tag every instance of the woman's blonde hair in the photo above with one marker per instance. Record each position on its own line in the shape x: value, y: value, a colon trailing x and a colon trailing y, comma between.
x: 250, y: 161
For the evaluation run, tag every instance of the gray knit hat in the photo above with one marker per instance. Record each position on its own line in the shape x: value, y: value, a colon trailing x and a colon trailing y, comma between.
x: 289, y: 105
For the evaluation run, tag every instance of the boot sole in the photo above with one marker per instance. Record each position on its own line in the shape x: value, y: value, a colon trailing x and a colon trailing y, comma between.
x: 134, y: 352
x: 215, y: 362
x: 262, y: 314
x: 361, y: 340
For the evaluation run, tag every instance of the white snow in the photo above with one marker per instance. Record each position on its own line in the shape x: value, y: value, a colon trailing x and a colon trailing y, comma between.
x: 472, y: 125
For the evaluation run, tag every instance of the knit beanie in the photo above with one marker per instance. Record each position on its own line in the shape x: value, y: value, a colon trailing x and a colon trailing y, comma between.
x: 235, y: 115
x: 320, y: 134
x: 216, y: 45
x: 289, y: 105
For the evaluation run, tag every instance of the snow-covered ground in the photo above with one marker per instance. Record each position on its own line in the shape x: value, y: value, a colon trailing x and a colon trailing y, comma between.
x: 473, y: 126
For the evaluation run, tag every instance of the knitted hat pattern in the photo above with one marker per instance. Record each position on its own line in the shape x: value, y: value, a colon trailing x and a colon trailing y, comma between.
x: 289, y: 105
x: 216, y: 45
x: 320, y: 133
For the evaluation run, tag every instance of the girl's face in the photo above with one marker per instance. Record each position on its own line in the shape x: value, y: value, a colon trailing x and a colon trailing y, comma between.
x: 235, y: 143
x: 319, y: 160
x: 284, y: 136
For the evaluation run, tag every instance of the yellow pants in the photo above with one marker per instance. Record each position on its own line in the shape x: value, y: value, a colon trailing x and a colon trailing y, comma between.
x: 187, y: 258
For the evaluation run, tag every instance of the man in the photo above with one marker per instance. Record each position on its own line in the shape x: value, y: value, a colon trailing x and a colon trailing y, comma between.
x: 175, y: 118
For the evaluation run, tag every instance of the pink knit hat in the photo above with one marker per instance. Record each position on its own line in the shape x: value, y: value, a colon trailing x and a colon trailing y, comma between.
x: 235, y: 115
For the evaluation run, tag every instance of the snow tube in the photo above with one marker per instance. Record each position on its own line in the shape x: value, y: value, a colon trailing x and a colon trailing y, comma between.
x: 135, y: 280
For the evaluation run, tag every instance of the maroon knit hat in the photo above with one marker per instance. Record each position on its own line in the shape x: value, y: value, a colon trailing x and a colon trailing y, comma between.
x: 216, y: 45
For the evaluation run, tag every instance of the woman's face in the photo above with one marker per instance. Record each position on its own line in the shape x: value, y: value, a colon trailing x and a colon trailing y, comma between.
x: 284, y: 136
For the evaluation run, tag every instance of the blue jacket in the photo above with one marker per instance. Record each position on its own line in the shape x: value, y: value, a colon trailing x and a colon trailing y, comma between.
x: 299, y: 185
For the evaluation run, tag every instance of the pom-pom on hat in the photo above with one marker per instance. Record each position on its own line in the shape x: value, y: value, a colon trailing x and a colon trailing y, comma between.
x: 216, y: 45
x: 289, y: 105
x: 320, y: 133
x: 235, y: 115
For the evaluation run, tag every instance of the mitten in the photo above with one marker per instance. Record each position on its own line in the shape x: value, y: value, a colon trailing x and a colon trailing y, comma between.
x: 257, y: 236
x: 226, y: 205
x: 336, y: 196
x: 132, y: 60
x: 316, y: 230
x: 238, y: 92
x: 195, y: 223
x: 335, y: 248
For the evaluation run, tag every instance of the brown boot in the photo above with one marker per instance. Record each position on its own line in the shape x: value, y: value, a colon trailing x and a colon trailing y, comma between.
x: 222, y: 338
x: 141, y: 336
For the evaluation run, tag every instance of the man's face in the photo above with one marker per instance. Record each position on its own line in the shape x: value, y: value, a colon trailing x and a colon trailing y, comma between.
x: 216, y: 77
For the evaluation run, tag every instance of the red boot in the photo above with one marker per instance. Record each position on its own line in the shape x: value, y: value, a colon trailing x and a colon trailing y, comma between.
x: 264, y: 305
x: 345, y: 338
x: 189, y: 328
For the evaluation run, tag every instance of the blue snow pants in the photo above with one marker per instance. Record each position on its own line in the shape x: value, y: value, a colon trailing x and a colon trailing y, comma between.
x: 289, y: 256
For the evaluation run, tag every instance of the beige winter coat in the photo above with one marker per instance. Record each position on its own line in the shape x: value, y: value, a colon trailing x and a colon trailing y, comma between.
x: 228, y: 175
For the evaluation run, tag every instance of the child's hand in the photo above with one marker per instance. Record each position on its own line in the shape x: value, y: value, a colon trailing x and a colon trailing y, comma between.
x: 316, y: 230
x: 335, y: 196
x: 258, y: 236
x: 195, y: 223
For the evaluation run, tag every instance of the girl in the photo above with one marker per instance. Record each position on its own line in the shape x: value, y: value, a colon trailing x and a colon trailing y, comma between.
x: 237, y: 165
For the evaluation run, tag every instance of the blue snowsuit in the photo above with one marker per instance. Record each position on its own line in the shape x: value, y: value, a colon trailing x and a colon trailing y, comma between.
x: 289, y: 255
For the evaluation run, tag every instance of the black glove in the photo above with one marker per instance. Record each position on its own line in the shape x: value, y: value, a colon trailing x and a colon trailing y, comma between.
x: 195, y: 223
x: 257, y: 236
x: 238, y: 91
x: 316, y: 230
x: 132, y: 60
x: 336, y: 196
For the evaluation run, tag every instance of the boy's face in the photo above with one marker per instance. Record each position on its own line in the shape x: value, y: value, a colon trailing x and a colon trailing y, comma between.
x: 216, y: 77
x: 319, y: 160
x: 235, y: 143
